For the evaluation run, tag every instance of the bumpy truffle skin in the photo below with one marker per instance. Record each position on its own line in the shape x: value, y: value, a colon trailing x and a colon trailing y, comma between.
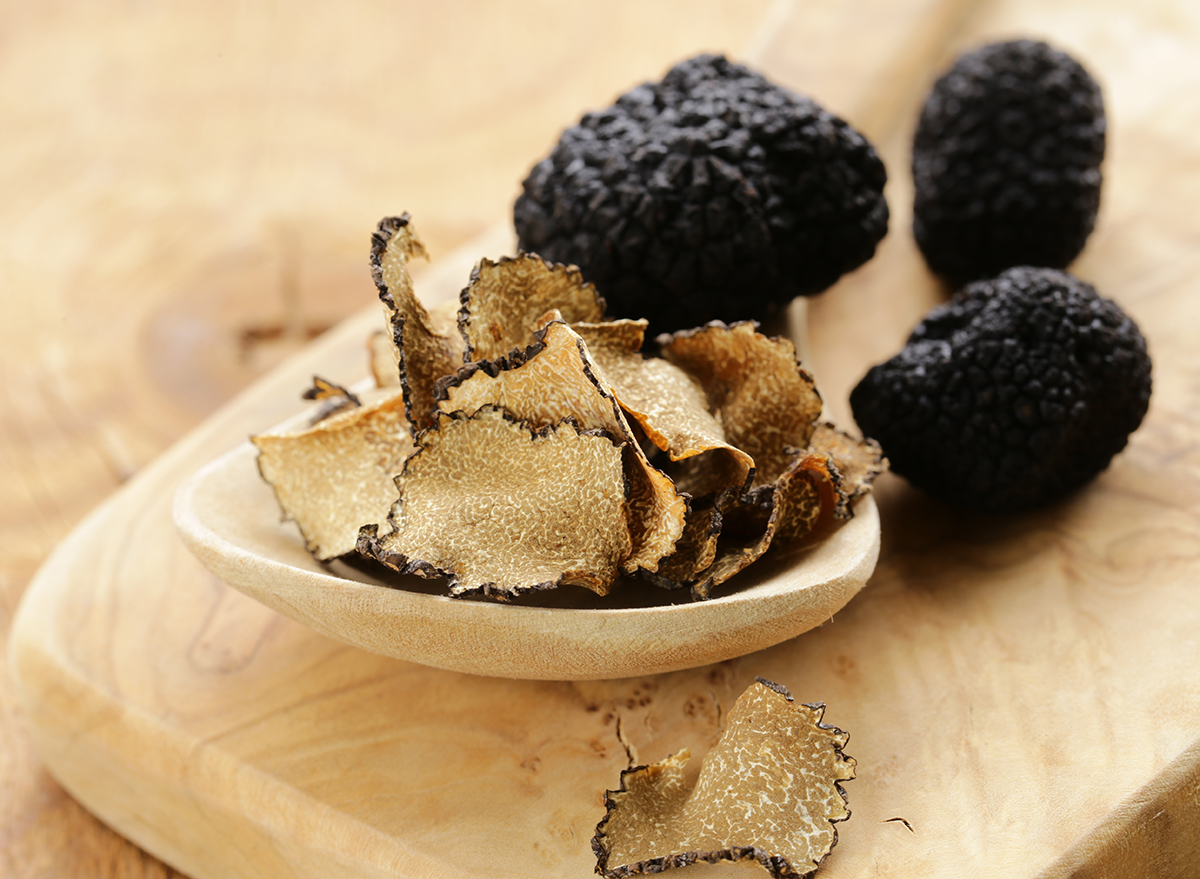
x: 1013, y: 394
x: 1006, y: 162
x: 711, y: 195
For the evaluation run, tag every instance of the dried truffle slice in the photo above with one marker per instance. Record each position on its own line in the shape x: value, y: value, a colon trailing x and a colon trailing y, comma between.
x: 542, y: 384
x: 672, y: 408
x: 766, y: 403
x: 383, y: 356
x: 857, y: 463
x: 820, y: 484
x: 339, y: 474
x: 424, y: 353
x: 769, y: 790
x: 324, y: 389
x: 792, y: 506
x: 334, y: 398
x: 554, y: 379
x: 495, y: 506
x: 503, y: 301
x: 696, y: 549
x: 610, y: 338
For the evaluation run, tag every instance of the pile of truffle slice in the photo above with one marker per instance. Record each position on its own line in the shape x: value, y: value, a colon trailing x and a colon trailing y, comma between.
x: 531, y: 444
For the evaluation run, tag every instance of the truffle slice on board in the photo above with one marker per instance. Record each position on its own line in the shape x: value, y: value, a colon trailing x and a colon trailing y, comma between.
x: 766, y: 403
x: 423, y: 351
x: 338, y: 474
x: 553, y: 379
x: 494, y: 506
x: 769, y: 790
x: 501, y: 305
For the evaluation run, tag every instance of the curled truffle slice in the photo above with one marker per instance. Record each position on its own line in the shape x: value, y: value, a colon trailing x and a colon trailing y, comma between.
x: 337, y: 475
x: 494, y: 506
x: 856, y: 463
x: 672, y: 409
x: 553, y: 379
x: 769, y: 790
x: 333, y: 397
x: 790, y: 508
x: 501, y: 305
x: 424, y: 352
x: 766, y: 403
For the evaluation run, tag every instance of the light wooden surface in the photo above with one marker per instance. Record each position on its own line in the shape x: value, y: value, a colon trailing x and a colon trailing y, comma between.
x: 1023, y: 691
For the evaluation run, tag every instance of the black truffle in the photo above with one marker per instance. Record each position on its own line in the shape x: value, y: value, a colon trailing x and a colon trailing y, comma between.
x: 1006, y: 162
x: 711, y: 195
x: 1014, y: 393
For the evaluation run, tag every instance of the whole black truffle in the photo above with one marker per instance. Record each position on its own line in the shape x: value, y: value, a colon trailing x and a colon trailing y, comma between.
x: 1006, y: 162
x: 1013, y: 394
x: 711, y: 195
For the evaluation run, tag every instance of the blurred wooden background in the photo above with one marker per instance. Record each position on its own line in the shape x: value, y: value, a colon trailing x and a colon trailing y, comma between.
x: 188, y: 193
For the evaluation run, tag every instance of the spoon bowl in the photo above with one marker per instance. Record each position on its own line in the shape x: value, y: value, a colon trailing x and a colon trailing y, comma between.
x: 229, y: 519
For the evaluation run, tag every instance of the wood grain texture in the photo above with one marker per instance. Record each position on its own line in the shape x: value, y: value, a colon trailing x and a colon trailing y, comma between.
x: 189, y: 192
x: 1022, y: 691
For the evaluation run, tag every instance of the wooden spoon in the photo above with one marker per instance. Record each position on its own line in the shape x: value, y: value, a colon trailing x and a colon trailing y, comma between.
x: 230, y: 520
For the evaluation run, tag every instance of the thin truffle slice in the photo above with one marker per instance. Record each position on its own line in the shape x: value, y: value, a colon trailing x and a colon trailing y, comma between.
x: 383, y: 356
x: 334, y: 398
x: 769, y: 790
x: 501, y: 305
x: 792, y: 506
x: 495, y: 506
x: 616, y: 338
x: 673, y: 409
x: 553, y: 379
x: 424, y: 352
x: 669, y: 406
x: 856, y: 462
x: 696, y: 549
x: 339, y: 474
x: 766, y: 403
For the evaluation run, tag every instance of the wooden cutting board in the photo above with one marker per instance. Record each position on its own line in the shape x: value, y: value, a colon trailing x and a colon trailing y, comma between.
x: 1024, y: 692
